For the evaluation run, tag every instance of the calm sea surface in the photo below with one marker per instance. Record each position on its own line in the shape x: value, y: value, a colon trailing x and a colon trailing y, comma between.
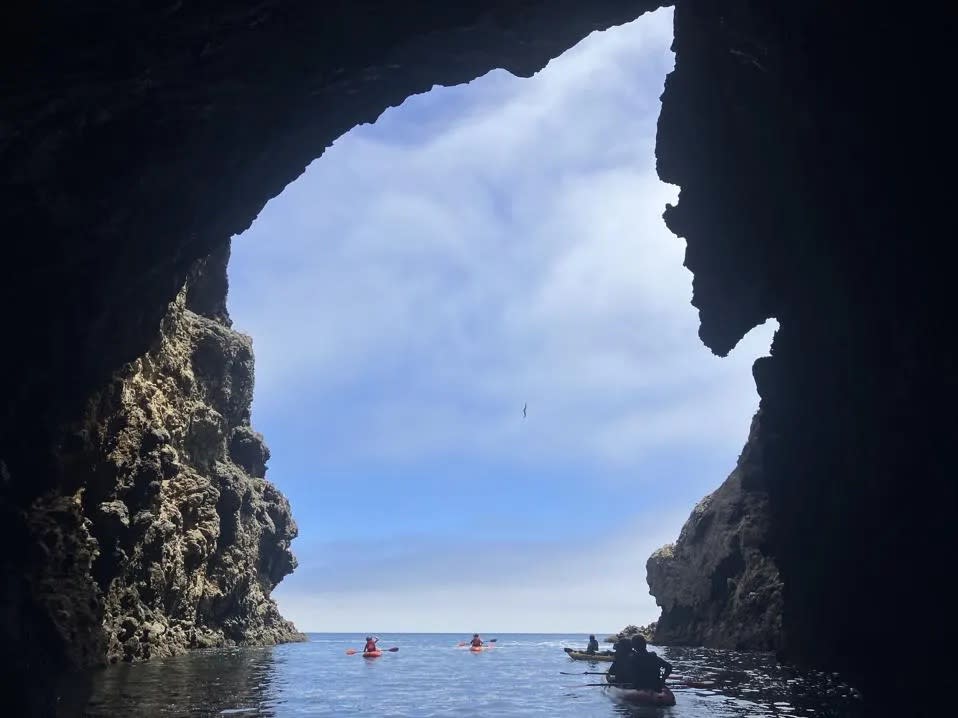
x: 430, y: 676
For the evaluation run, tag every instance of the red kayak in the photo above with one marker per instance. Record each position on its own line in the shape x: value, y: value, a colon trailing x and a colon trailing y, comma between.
x: 372, y: 654
x: 664, y: 697
x: 477, y: 649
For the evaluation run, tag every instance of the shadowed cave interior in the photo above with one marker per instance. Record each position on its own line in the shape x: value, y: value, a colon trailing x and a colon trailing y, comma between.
x: 806, y: 138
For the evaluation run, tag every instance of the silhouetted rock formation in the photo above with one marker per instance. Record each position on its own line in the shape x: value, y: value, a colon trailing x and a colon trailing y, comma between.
x: 808, y: 139
x: 802, y: 199
x: 717, y: 585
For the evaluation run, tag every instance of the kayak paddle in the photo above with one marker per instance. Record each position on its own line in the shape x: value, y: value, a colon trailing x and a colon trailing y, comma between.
x: 353, y: 651
x: 672, y: 680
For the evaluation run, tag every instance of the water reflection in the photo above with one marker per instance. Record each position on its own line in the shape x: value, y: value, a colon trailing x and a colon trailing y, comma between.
x: 755, y: 684
x: 527, y: 675
x: 227, y: 682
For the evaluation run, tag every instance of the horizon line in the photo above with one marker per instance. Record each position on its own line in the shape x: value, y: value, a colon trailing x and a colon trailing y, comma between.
x: 457, y: 633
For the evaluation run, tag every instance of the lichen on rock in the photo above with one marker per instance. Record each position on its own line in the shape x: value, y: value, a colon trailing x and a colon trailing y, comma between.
x: 717, y: 585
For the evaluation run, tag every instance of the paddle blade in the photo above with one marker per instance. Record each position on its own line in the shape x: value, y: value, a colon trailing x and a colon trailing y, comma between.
x: 460, y: 644
x: 492, y: 640
x: 393, y: 649
x: 351, y: 651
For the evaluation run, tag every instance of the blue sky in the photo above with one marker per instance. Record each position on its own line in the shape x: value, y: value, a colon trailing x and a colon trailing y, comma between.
x: 481, y: 247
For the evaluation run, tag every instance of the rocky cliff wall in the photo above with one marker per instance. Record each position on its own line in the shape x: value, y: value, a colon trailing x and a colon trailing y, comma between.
x: 166, y: 535
x: 718, y: 585
x: 192, y: 536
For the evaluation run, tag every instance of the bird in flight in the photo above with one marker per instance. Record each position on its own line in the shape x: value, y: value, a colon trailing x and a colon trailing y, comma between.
x: 524, y: 407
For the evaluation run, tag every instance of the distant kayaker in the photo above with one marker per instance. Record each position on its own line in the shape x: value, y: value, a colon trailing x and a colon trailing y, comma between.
x: 476, y: 642
x: 648, y: 671
x: 370, y: 644
x: 593, y: 646
x: 621, y: 668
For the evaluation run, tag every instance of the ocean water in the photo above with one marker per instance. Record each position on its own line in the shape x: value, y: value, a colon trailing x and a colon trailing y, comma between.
x: 430, y: 676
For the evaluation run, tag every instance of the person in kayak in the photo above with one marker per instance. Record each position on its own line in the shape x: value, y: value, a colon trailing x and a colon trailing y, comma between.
x: 371, y: 644
x: 476, y: 642
x: 621, y: 669
x: 593, y: 646
x: 647, y: 671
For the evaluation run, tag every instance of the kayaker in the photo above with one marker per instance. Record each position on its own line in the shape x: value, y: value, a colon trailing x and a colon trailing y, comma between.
x: 593, y: 646
x: 647, y: 670
x: 621, y: 669
x: 371, y: 644
x: 476, y: 642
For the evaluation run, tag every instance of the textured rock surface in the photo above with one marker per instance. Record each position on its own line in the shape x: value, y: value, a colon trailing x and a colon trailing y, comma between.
x: 717, y: 585
x: 170, y: 537
x: 808, y: 138
x: 192, y: 537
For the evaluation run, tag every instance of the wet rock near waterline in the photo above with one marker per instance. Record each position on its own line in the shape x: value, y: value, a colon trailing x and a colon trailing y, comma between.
x: 717, y: 585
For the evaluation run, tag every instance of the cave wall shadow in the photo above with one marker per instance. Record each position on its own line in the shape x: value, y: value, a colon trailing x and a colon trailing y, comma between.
x: 808, y: 139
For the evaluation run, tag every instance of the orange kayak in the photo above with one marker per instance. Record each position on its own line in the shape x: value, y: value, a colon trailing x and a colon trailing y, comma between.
x: 477, y: 649
x: 372, y: 654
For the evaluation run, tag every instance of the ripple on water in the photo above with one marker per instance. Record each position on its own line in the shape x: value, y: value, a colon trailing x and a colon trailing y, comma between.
x: 430, y: 677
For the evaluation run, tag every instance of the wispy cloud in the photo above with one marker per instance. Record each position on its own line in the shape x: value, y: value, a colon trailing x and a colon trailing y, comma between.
x: 480, y: 248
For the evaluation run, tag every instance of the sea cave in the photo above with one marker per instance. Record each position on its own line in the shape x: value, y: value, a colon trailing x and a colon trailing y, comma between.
x: 805, y: 137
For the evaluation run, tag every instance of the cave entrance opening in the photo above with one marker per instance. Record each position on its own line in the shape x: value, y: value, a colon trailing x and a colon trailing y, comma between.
x: 474, y: 343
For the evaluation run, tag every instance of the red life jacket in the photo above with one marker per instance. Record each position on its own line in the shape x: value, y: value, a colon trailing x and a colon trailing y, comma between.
x: 475, y: 642
x: 370, y: 647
